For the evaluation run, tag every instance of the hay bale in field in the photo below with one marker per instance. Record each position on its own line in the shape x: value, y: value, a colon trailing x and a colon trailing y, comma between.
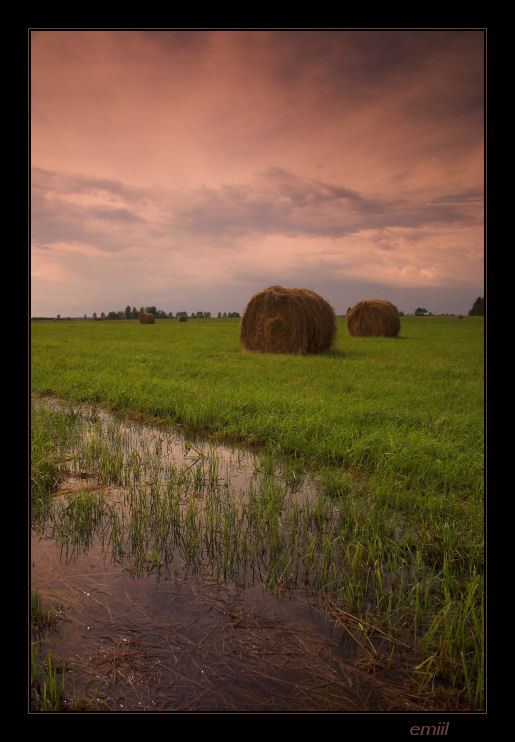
x: 146, y: 318
x: 182, y: 318
x: 372, y: 318
x: 282, y: 320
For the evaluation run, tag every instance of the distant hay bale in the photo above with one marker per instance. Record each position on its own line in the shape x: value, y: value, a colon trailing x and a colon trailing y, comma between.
x: 282, y: 320
x: 373, y: 318
x: 146, y: 318
x: 182, y: 318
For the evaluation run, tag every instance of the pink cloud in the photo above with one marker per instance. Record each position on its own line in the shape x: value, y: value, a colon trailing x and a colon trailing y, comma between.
x: 356, y: 155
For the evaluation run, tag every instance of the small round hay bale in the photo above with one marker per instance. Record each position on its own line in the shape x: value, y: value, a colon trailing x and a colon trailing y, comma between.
x: 373, y: 318
x: 284, y: 320
x: 146, y: 318
x: 182, y: 318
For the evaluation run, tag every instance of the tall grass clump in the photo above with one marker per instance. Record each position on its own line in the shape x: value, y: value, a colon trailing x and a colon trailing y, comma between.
x: 47, y: 683
x: 52, y: 434
x: 47, y: 688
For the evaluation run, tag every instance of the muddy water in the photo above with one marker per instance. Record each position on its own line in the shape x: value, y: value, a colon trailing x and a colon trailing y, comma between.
x: 193, y: 644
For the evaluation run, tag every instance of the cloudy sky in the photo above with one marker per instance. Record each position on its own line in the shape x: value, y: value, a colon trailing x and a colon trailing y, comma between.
x: 190, y: 169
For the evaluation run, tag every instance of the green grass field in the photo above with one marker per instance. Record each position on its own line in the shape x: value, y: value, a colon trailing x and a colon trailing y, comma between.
x: 393, y: 428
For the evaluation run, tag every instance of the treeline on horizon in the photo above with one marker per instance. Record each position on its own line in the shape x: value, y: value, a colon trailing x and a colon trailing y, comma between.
x: 133, y: 313
x: 477, y: 309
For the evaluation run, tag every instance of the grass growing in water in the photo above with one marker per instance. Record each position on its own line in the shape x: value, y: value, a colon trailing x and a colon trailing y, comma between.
x: 48, y: 682
x: 394, y: 428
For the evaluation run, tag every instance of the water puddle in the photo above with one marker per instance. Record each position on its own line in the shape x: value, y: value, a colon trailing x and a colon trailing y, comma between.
x: 157, y: 609
x: 163, y: 450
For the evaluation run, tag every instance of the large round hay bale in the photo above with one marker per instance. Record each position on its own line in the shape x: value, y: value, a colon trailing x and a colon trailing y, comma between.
x: 282, y: 320
x: 373, y: 318
x: 146, y: 318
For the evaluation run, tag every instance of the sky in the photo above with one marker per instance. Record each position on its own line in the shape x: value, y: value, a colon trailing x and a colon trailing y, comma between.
x: 190, y: 169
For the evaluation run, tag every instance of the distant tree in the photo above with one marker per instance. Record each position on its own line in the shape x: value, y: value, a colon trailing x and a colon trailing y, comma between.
x: 127, y: 312
x: 478, y: 308
x: 102, y: 314
x: 420, y: 311
x: 219, y: 314
x: 151, y: 310
x: 94, y: 315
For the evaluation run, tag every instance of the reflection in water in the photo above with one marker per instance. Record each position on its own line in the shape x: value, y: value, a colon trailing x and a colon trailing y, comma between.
x: 158, y: 614
x: 191, y: 644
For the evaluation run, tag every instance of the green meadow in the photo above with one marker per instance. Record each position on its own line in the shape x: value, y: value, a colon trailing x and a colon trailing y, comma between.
x: 391, y: 428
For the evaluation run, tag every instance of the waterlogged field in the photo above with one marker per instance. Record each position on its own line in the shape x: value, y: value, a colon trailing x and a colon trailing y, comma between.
x: 347, y: 546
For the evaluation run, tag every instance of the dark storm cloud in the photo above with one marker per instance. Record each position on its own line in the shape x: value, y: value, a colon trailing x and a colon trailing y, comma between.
x: 472, y: 196
x: 45, y: 182
x: 172, y: 41
x: 353, y: 65
x: 280, y: 202
x: 277, y: 202
x: 59, y: 215
x: 114, y: 215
